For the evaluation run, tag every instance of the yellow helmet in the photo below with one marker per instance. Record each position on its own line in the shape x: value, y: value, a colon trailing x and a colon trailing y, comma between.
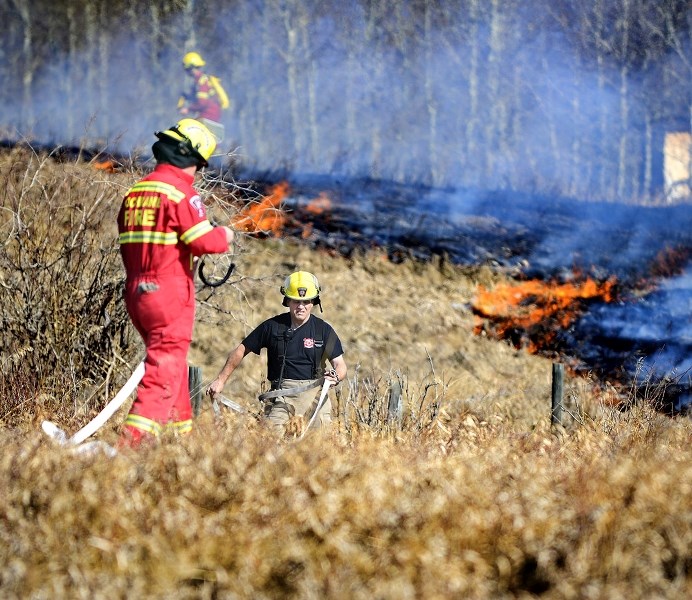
x: 301, y: 285
x: 193, y: 59
x: 194, y: 139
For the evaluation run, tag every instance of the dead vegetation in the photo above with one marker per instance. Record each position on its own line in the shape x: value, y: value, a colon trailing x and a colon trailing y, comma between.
x: 471, y: 494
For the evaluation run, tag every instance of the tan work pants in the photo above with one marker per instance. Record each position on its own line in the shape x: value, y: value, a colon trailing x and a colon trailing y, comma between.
x: 278, y: 411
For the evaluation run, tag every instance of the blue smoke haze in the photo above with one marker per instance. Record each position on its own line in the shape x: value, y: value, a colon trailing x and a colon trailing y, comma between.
x: 359, y: 109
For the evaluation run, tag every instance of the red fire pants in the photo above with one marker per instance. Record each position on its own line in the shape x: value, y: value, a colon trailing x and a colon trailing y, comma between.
x: 163, y: 312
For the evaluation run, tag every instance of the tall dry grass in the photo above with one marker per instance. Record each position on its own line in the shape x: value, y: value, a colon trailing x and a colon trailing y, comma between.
x: 470, y: 495
x: 470, y: 510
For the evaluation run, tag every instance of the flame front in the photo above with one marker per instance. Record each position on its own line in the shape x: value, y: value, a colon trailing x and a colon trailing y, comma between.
x: 266, y: 216
x: 534, y: 309
x: 109, y: 166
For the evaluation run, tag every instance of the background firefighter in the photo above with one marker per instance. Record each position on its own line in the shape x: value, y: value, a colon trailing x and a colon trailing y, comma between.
x: 162, y: 225
x: 205, y: 99
x: 298, y: 345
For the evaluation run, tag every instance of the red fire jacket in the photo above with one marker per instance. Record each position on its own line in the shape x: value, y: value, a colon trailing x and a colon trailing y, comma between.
x: 204, y: 103
x: 163, y: 224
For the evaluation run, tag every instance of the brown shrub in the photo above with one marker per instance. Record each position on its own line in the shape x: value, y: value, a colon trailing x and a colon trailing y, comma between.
x: 62, y: 325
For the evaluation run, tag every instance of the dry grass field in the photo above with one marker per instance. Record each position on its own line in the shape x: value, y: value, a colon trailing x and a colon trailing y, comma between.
x: 471, y: 494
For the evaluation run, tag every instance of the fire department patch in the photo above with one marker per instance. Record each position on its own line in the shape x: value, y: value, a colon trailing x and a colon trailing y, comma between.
x: 196, y: 203
x: 308, y: 343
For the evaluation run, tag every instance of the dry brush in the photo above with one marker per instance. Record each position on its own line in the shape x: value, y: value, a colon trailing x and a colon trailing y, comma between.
x: 469, y: 494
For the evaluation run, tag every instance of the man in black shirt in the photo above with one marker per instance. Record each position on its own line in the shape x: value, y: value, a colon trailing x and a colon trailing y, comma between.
x: 298, y: 345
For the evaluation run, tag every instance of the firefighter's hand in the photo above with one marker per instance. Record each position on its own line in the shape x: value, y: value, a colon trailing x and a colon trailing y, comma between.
x: 332, y: 376
x: 215, y: 387
x: 184, y: 110
x: 230, y: 236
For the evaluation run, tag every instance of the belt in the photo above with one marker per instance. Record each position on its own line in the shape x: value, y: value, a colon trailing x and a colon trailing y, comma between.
x: 290, y: 391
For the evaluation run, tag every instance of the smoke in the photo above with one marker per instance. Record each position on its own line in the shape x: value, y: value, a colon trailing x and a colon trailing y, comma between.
x: 418, y: 94
x: 650, y: 338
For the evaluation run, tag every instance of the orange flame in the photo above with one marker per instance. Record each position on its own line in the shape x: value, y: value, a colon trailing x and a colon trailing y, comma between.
x: 109, y: 166
x: 319, y: 205
x: 266, y: 216
x: 525, y: 305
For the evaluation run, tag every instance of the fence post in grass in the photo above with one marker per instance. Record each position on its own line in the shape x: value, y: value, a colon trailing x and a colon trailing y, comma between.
x: 557, y: 392
x: 195, y: 379
x: 394, y: 410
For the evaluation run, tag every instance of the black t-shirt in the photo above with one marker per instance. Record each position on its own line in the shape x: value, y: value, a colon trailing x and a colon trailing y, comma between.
x: 304, y: 347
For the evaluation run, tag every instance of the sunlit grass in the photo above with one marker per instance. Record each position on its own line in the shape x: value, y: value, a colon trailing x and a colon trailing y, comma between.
x: 468, y: 493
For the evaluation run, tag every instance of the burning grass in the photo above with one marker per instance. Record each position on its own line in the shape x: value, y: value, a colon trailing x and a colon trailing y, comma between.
x: 470, y: 494
x: 531, y: 313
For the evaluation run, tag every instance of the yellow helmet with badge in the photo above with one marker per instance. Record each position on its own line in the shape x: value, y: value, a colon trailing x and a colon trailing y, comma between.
x: 301, y: 285
x: 193, y: 60
x: 194, y: 139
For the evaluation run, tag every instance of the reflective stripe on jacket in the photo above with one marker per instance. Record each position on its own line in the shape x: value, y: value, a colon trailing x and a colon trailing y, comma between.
x: 163, y: 223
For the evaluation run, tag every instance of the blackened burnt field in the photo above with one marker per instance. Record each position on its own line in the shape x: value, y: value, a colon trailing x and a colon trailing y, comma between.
x: 640, y: 331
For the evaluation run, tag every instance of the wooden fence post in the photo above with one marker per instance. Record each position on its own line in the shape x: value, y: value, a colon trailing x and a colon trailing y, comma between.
x: 557, y: 392
x: 394, y: 410
x: 195, y: 379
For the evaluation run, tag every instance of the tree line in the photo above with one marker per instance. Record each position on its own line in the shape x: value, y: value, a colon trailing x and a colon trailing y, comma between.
x: 554, y: 96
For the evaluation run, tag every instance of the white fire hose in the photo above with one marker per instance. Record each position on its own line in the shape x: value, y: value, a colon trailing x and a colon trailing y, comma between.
x: 320, y: 402
x: 59, y: 435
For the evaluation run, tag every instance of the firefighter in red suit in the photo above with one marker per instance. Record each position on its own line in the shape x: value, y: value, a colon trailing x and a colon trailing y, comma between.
x: 163, y: 225
x: 201, y: 101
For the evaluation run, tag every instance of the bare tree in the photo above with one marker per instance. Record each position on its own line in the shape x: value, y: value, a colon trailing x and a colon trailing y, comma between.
x: 29, y: 64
